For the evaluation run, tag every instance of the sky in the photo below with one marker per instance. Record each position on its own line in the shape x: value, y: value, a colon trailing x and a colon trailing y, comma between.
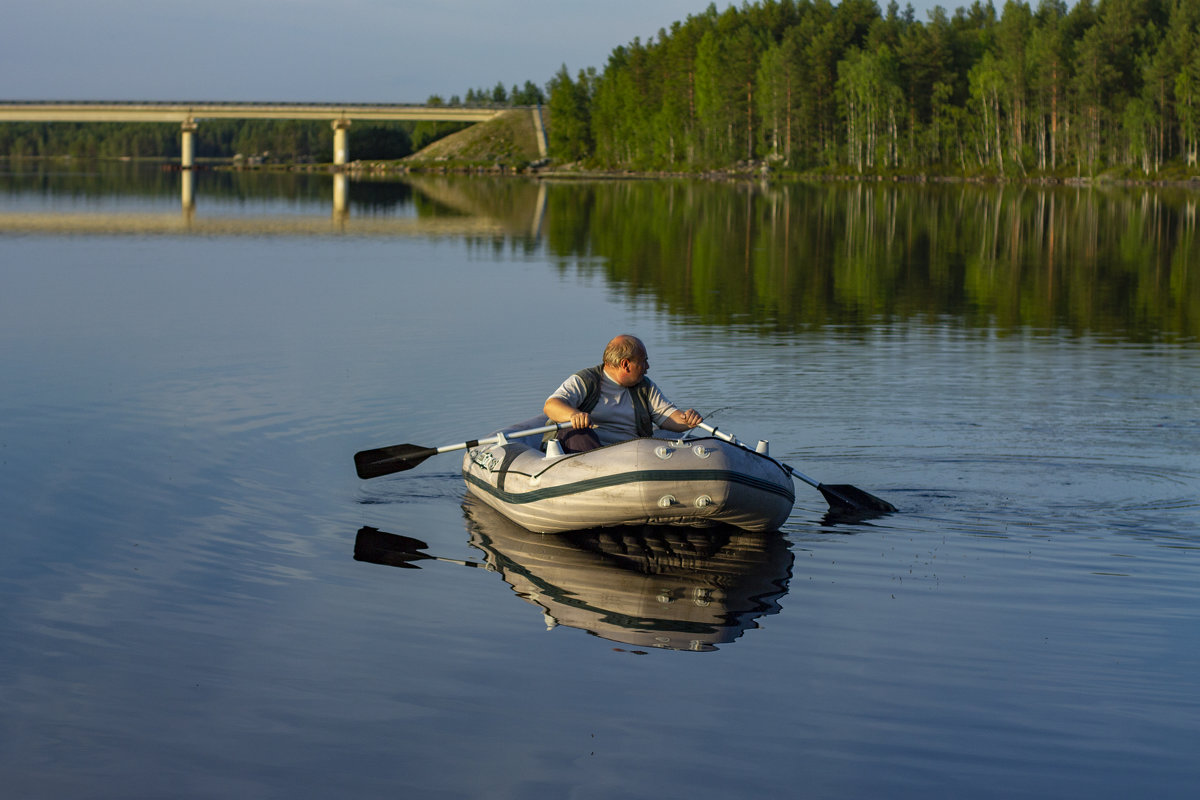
x: 355, y: 51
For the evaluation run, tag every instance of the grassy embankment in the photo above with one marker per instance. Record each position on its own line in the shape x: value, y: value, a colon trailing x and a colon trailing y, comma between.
x: 506, y: 144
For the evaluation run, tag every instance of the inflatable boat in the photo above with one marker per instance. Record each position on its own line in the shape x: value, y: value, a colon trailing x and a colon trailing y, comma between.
x: 698, y: 481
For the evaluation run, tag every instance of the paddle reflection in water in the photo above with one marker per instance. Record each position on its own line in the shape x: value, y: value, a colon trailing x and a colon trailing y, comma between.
x: 665, y: 587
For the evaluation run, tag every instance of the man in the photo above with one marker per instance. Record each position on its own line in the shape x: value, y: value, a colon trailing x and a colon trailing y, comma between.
x: 615, y: 401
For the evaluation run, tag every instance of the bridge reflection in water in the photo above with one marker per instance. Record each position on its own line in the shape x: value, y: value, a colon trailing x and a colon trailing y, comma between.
x: 468, y: 216
x: 673, y: 588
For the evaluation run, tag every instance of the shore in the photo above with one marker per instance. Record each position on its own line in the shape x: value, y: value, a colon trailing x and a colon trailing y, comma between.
x: 546, y: 169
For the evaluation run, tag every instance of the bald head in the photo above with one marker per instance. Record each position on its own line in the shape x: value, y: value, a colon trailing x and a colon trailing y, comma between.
x: 624, y: 347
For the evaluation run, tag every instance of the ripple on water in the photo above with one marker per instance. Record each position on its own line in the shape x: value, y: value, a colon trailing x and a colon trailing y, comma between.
x: 1034, y: 491
x: 412, y: 488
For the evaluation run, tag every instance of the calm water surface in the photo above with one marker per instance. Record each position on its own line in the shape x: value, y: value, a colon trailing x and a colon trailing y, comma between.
x: 183, y: 614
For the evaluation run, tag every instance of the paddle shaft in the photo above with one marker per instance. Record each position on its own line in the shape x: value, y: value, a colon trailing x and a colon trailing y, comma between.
x: 841, y: 495
x: 499, y: 438
x: 728, y: 437
x: 397, y: 458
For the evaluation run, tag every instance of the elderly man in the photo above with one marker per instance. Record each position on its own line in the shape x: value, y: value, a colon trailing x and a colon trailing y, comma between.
x: 614, y: 401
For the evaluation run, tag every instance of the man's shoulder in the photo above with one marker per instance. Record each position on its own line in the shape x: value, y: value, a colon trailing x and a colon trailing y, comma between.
x: 589, y: 373
x: 573, y: 384
x: 648, y: 386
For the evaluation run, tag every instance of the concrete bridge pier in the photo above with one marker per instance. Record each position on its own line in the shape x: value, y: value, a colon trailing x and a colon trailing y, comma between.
x: 187, y: 158
x: 341, y: 153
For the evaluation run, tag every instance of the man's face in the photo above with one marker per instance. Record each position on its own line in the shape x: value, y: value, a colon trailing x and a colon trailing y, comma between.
x: 631, y: 370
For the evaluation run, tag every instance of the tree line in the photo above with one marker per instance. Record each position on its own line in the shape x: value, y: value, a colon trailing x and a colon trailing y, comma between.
x: 806, y: 85
x: 809, y: 85
x: 528, y: 95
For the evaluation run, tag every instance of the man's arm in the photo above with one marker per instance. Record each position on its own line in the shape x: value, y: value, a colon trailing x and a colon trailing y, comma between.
x: 680, y: 421
x: 559, y: 410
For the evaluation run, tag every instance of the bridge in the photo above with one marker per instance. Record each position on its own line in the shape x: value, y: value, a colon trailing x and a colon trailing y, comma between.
x: 188, y: 115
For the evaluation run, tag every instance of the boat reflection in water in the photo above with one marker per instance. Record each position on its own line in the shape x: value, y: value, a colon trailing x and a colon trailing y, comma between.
x: 676, y: 588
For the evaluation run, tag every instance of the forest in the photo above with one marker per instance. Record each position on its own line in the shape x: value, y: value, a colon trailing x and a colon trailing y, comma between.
x: 1098, y: 87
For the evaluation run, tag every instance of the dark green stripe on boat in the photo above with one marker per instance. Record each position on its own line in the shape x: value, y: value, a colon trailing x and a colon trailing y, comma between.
x: 651, y: 475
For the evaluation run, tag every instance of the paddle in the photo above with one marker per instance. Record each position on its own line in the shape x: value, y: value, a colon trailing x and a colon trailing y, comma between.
x: 396, y: 550
x: 840, y: 496
x: 399, y: 457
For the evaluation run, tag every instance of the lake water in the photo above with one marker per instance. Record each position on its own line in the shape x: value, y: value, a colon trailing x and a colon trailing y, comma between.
x: 185, y: 384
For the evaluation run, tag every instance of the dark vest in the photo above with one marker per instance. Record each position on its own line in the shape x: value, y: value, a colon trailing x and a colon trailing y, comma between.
x: 640, y: 392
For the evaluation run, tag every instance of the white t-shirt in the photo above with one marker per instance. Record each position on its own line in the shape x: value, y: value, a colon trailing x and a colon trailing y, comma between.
x: 613, y: 414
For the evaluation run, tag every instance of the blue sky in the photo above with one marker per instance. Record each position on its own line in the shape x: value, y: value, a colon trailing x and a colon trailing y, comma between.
x: 304, y: 50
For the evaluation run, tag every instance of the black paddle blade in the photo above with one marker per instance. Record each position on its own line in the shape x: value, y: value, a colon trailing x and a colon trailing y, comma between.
x: 845, y: 497
x: 386, y: 460
x: 388, y: 549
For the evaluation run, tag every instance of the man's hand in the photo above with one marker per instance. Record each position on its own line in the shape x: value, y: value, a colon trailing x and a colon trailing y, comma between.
x: 558, y: 411
x: 680, y: 421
